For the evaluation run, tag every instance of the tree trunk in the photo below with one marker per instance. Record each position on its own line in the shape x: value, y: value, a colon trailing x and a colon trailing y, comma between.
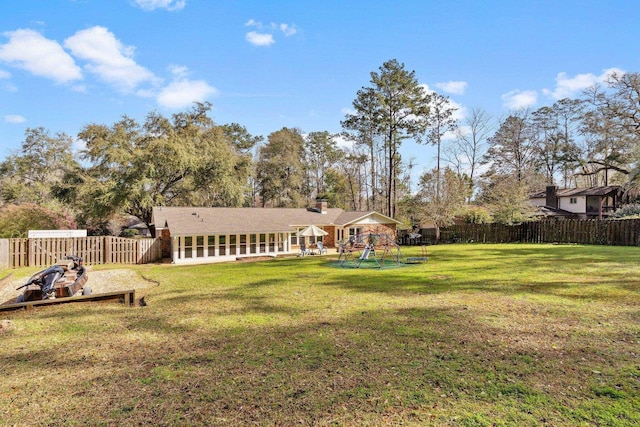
x: 373, y: 175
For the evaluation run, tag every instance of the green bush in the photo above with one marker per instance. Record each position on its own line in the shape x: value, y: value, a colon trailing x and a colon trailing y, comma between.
x: 475, y: 215
x: 17, y: 220
x: 632, y: 209
x: 129, y: 232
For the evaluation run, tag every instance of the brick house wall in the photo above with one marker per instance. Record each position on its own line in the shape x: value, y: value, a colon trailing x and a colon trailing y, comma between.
x: 165, y: 236
x: 388, y: 229
x: 330, y: 239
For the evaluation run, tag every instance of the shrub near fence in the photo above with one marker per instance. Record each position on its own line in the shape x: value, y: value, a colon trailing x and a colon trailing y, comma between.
x: 583, y: 231
x: 41, y: 252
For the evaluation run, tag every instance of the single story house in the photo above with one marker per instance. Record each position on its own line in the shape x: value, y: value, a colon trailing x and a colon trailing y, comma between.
x: 203, y: 235
x: 584, y: 203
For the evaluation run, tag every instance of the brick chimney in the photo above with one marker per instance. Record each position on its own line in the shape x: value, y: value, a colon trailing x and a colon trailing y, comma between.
x: 321, y: 205
x: 552, y: 197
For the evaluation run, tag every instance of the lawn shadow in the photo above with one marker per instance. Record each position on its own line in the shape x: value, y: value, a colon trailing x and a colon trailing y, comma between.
x: 438, y: 364
x: 213, y: 300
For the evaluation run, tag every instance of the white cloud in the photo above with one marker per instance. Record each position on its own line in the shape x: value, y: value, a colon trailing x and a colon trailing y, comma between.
x: 30, y: 50
x: 606, y: 74
x: 146, y: 93
x: 169, y: 5
x: 179, y: 71
x: 253, y: 23
x: 79, y: 88
x: 569, y: 87
x: 14, y: 119
x: 10, y: 87
x: 459, y: 112
x: 343, y: 142
x: 182, y: 93
x: 264, y: 36
x: 456, y: 88
x: 288, y: 30
x: 108, y: 58
x: 517, y: 99
x: 7, y: 86
x: 260, y: 39
x: 425, y: 87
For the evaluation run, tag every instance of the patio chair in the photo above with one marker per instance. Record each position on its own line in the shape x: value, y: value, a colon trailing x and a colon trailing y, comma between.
x: 321, y: 248
x: 303, y: 249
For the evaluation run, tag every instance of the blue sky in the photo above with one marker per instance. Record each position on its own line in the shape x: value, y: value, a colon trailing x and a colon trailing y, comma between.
x: 269, y: 64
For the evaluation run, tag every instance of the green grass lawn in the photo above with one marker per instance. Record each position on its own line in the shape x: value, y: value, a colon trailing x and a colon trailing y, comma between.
x: 480, y: 335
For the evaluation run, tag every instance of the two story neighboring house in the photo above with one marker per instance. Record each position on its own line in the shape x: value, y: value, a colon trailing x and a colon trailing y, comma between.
x: 585, y: 203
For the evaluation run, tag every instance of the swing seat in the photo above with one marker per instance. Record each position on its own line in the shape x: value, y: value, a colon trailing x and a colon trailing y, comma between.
x: 418, y: 259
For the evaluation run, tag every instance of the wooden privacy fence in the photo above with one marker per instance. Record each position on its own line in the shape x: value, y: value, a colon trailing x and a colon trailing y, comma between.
x: 583, y: 231
x: 40, y: 252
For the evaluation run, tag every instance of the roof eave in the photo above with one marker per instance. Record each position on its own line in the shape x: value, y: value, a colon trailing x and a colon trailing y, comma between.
x: 368, y: 214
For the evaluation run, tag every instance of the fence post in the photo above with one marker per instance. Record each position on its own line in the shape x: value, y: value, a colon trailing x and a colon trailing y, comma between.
x: 107, y: 250
x: 4, y: 254
x: 31, y: 252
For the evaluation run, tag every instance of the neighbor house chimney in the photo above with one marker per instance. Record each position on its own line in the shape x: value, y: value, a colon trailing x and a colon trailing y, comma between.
x: 321, y: 205
x: 552, y: 197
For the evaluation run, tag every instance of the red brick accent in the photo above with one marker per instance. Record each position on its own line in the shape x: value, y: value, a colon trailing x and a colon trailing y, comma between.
x: 165, y: 237
x: 329, y: 239
x: 388, y: 229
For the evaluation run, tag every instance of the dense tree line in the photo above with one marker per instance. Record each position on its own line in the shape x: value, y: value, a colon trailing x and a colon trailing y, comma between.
x: 485, y: 166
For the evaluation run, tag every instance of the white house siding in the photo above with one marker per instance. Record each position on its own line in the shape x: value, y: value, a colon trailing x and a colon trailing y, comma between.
x: 372, y: 219
x: 370, y: 224
x: 227, y: 247
x: 579, y: 207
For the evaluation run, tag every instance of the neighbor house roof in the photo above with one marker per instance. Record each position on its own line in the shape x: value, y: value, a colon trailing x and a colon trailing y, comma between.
x: 552, y: 212
x: 194, y: 221
x: 573, y: 192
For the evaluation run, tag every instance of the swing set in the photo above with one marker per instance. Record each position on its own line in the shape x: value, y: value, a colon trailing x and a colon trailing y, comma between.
x: 369, y: 249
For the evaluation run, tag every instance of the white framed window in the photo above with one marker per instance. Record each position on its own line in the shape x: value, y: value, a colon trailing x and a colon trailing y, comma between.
x: 272, y: 242
x: 222, y: 241
x: 232, y: 244
x: 243, y: 244
x: 211, y: 245
x: 254, y: 246
x: 200, y: 246
x: 281, y: 238
x: 188, y: 246
x: 573, y: 200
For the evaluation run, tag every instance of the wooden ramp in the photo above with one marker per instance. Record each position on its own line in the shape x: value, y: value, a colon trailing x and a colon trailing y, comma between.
x: 127, y: 298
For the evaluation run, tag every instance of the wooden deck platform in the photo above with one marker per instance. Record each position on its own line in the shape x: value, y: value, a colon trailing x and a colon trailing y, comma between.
x: 124, y: 297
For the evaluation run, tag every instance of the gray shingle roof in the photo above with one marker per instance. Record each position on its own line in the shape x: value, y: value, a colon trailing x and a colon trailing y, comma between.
x: 201, y: 221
